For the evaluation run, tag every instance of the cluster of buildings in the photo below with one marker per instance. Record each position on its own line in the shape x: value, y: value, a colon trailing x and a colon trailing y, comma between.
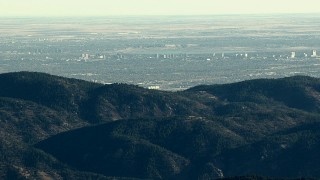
x: 87, y: 57
x: 312, y: 55
x: 262, y: 55
x: 266, y: 55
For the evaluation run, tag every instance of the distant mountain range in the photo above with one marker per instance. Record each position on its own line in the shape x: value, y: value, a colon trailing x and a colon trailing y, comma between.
x: 58, y: 128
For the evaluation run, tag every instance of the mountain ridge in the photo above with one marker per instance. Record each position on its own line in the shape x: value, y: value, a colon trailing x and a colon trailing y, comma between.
x: 192, y: 134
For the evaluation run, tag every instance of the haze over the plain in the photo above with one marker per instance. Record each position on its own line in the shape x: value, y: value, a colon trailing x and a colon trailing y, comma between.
x: 153, y: 7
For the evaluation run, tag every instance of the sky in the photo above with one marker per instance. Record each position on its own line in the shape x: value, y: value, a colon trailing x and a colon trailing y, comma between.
x: 153, y: 7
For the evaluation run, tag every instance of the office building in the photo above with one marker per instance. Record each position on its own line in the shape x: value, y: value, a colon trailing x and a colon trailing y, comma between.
x: 314, y: 53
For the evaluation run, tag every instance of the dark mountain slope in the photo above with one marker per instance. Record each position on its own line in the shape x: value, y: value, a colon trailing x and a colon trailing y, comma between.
x: 52, y: 91
x: 299, y: 92
x: 291, y: 153
x: 168, y: 135
x: 116, y: 155
x: 23, y: 123
x: 121, y: 101
x: 198, y: 148
x: 147, y: 148
x: 95, y: 102
x: 35, y: 106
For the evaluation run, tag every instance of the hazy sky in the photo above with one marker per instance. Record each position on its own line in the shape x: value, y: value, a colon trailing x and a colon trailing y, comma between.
x: 153, y: 7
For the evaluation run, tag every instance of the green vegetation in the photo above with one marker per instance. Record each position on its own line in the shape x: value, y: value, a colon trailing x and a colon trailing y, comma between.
x: 54, y: 127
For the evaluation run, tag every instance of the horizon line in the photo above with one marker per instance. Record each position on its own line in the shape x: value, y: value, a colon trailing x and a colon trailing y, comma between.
x: 158, y: 15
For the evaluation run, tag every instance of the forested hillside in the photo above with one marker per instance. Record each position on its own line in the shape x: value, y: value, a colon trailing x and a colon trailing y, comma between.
x: 55, y: 127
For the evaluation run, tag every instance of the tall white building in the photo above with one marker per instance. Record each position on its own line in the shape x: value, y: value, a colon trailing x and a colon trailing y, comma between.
x: 314, y: 53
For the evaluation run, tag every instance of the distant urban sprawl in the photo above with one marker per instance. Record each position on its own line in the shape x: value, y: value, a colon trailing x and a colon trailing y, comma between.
x: 169, y: 53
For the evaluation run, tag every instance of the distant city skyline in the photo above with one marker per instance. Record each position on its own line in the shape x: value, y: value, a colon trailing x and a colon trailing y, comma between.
x: 153, y: 7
